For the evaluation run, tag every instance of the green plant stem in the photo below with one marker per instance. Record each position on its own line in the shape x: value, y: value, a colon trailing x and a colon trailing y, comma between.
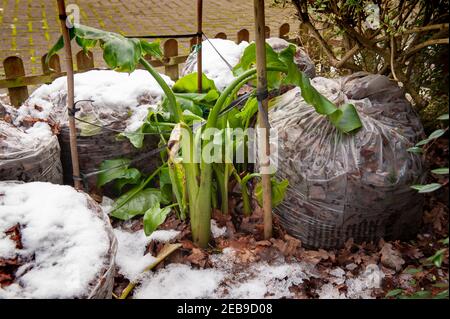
x: 245, y: 195
x: 174, y: 109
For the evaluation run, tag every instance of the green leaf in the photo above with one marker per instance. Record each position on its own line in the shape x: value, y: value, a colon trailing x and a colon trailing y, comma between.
x: 427, y: 188
x: 440, y: 171
x: 87, y: 129
x: 445, y: 241
x: 394, y: 292
x: 443, y: 117
x: 442, y: 295
x: 424, y: 294
x: 436, y: 134
x: 278, y: 191
x: 415, y: 149
x: 423, y: 142
x: 189, y: 84
x: 125, y: 208
x: 151, y: 48
x: 117, y: 169
x: 412, y: 271
x: 153, y: 217
x: 248, y: 111
x: 438, y: 257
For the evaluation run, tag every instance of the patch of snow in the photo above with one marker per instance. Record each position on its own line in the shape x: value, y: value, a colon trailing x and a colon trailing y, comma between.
x: 65, y: 245
x: 357, y: 288
x: 131, y: 259
x: 224, y: 280
x: 179, y: 281
x: 214, y: 67
x: 15, y: 140
x: 216, y: 230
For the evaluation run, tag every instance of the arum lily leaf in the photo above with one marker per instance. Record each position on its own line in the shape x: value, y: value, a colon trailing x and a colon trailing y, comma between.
x: 125, y: 208
x: 153, y: 217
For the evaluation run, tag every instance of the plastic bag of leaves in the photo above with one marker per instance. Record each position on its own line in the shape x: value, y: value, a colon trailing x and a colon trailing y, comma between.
x: 349, y: 186
x: 30, y: 155
x: 107, y: 103
x: 219, y: 56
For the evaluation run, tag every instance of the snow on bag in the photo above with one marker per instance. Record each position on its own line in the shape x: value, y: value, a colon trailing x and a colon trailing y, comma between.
x: 216, y: 69
x: 55, y: 242
x: 29, y: 155
x: 113, y: 102
x: 349, y: 186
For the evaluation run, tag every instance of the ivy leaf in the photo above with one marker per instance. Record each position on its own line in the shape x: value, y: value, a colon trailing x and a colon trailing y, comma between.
x: 153, y: 217
x: 278, y: 191
x: 427, y: 188
x: 125, y: 208
x: 440, y: 171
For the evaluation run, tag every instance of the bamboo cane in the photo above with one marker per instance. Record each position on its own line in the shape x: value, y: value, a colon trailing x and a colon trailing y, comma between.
x: 260, y: 40
x: 199, y: 44
x: 70, y: 95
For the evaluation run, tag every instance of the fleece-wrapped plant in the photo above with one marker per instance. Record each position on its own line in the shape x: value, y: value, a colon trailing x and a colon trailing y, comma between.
x: 187, y: 179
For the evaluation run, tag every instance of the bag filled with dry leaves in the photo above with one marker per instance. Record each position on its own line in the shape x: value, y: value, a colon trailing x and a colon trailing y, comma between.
x: 29, y: 155
x: 56, y: 243
x: 349, y: 186
x: 108, y: 103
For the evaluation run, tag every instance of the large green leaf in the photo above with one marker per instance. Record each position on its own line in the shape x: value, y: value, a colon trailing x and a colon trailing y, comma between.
x: 125, y: 208
x: 440, y: 171
x: 120, y: 53
x: 189, y: 84
x: 117, y: 169
x: 278, y: 192
x: 345, y: 118
x: 153, y: 217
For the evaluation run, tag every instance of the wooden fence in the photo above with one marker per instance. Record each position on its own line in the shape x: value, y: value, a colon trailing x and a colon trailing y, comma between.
x: 17, y: 82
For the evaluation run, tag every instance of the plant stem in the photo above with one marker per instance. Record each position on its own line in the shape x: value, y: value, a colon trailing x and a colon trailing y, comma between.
x: 174, y: 109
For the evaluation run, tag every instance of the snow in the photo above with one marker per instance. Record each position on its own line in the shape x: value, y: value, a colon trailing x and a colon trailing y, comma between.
x: 213, y: 65
x: 131, y: 259
x: 257, y: 280
x: 359, y: 287
x: 113, y: 93
x: 15, y: 139
x: 65, y: 245
x: 216, y: 230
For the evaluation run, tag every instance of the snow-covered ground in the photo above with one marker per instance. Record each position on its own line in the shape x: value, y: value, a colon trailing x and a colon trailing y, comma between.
x: 230, y: 279
x: 65, y: 245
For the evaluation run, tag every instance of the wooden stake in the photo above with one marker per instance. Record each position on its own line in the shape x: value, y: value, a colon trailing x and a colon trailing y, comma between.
x: 199, y: 44
x: 264, y: 142
x: 70, y: 95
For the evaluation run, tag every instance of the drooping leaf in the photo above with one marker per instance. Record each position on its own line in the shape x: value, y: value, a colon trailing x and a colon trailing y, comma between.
x: 427, y: 188
x: 151, y: 48
x: 440, y: 171
x: 137, y: 205
x: 438, y: 257
x: 278, y: 191
x: 153, y: 217
x: 120, y: 53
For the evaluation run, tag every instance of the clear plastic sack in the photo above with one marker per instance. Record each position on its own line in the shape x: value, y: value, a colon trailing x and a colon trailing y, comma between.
x: 31, y: 155
x: 349, y: 186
